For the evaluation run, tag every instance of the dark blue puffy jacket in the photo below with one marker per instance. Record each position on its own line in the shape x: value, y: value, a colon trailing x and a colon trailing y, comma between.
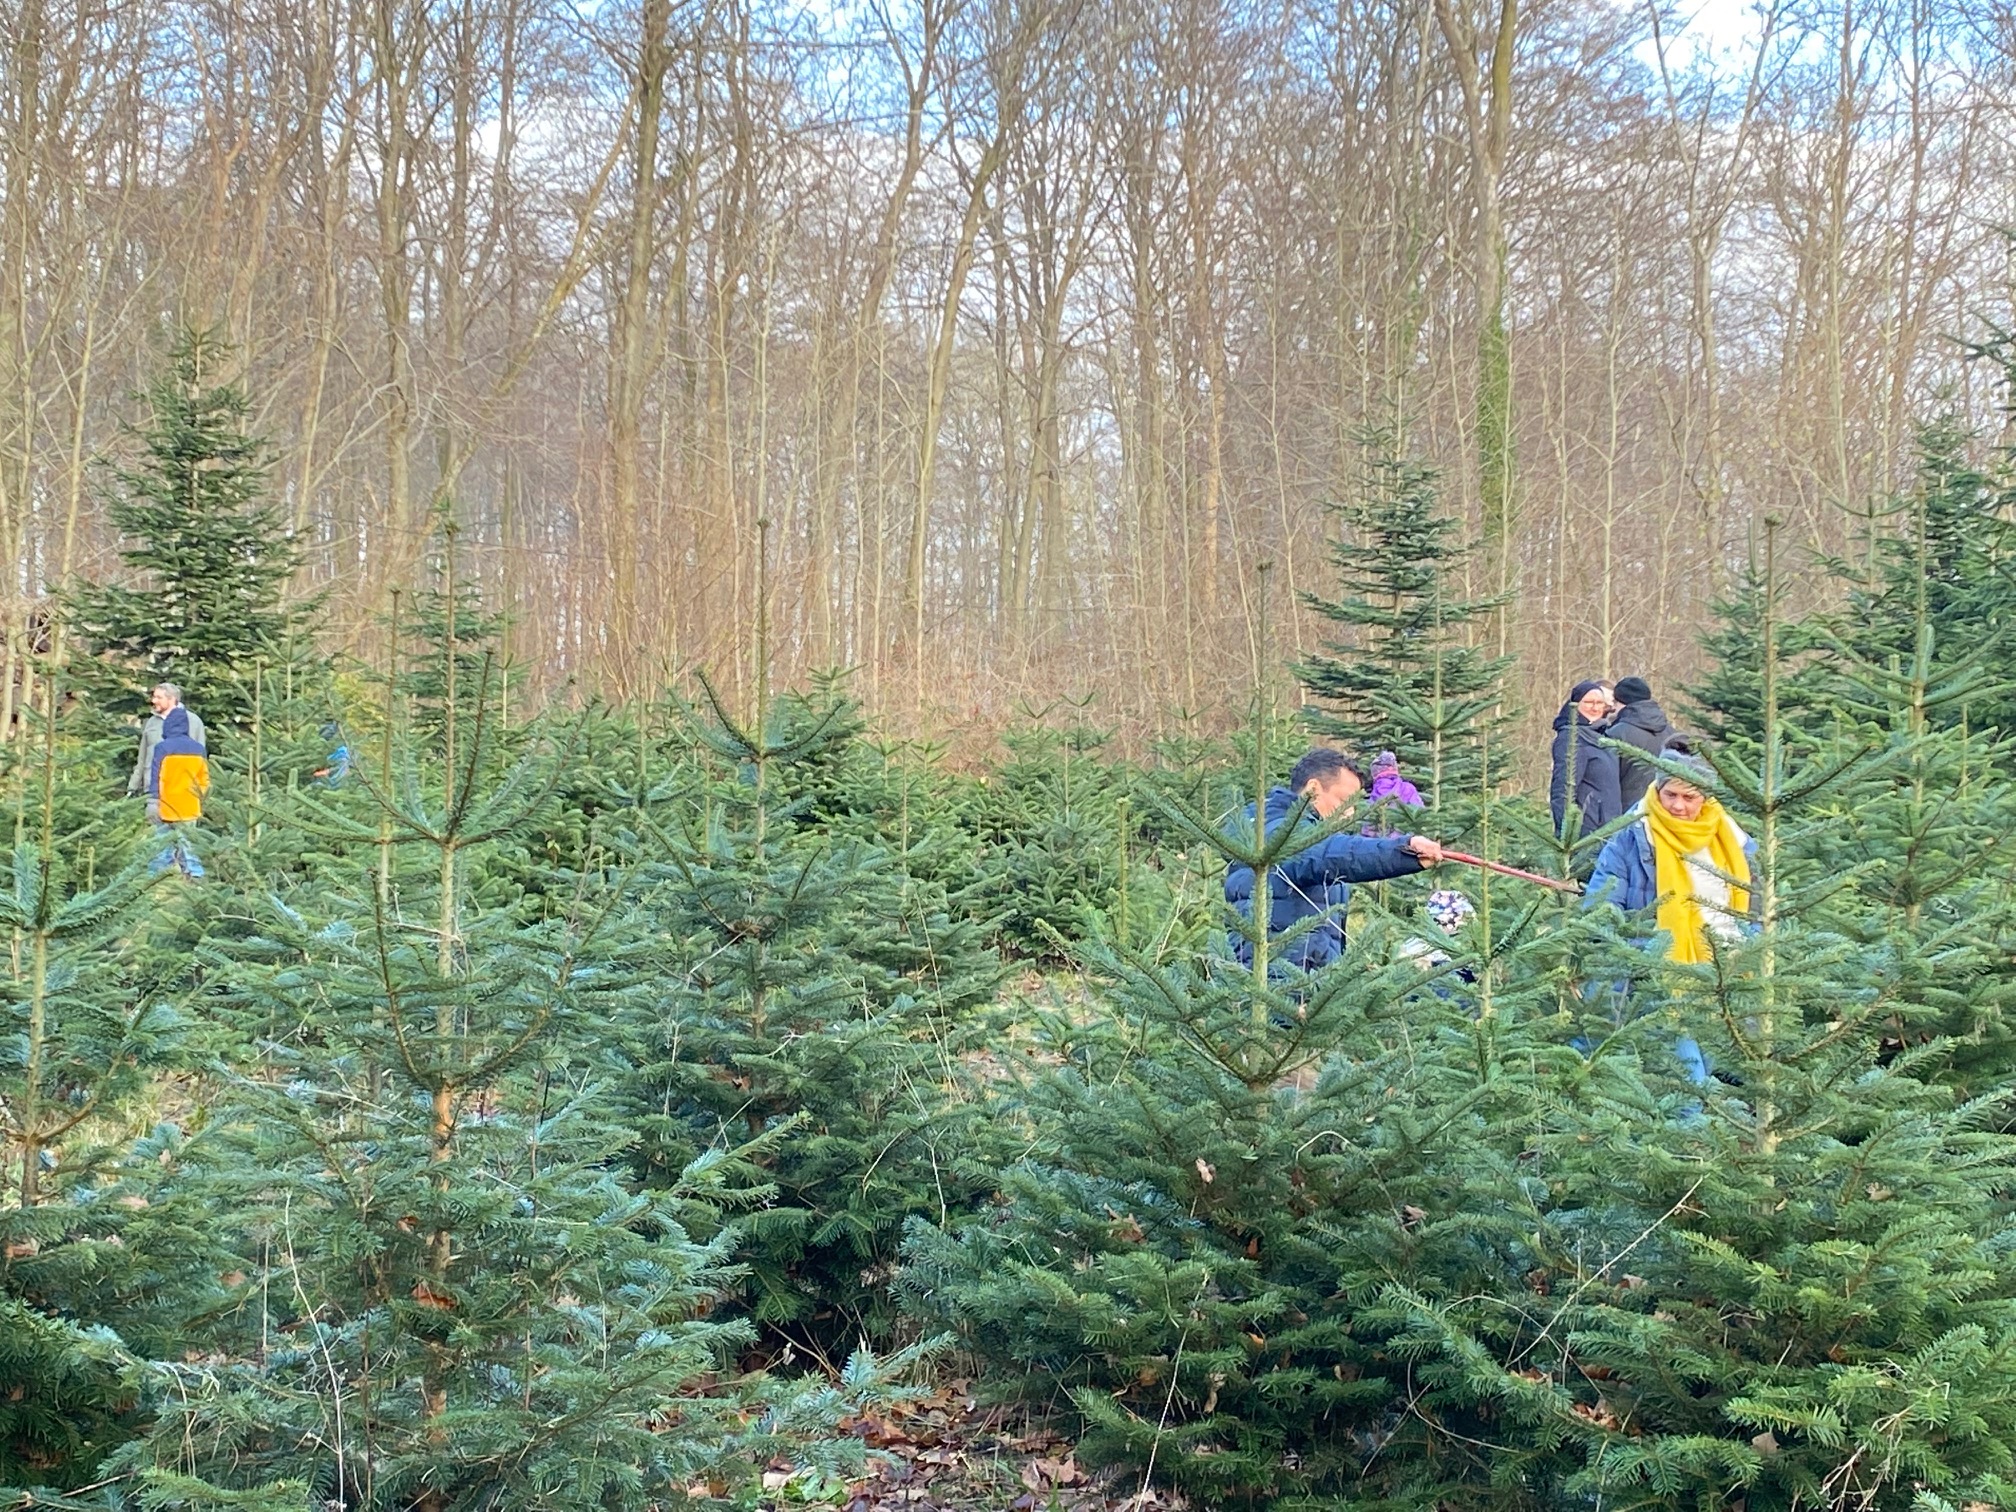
x: 1314, y: 881
x: 1593, y: 783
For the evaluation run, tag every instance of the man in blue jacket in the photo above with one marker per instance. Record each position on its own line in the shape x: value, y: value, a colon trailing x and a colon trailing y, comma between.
x: 1317, y: 882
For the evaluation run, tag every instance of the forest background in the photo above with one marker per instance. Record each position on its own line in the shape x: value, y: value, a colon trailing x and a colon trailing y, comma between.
x: 612, y: 1050
x: 1030, y: 325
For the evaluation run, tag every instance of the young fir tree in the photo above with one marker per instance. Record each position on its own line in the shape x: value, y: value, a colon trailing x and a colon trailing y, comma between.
x: 1801, y: 1292
x: 1053, y: 834
x: 1918, y: 660
x: 445, y: 1294
x: 1205, y: 1183
x: 1548, y: 1270
x: 90, y: 1021
x: 1405, y: 673
x: 450, y: 646
x: 817, y: 1001
x: 1944, y: 567
x: 211, y: 549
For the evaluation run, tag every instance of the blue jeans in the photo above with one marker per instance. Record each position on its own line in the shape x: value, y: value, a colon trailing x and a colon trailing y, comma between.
x: 175, y: 851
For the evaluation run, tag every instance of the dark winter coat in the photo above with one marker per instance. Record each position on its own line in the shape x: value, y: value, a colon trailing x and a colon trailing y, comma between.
x: 1595, y: 784
x: 1645, y: 725
x: 1314, y: 882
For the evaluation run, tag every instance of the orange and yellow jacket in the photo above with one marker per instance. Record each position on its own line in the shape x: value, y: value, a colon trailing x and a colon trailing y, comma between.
x: 181, y: 773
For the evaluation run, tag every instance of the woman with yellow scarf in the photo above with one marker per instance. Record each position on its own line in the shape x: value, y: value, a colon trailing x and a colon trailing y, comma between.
x: 1687, y: 856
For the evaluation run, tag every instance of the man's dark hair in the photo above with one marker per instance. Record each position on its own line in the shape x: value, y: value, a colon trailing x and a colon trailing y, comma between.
x: 1322, y: 765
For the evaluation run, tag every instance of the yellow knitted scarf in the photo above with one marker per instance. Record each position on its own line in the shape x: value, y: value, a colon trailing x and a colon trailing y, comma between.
x: 1673, y: 841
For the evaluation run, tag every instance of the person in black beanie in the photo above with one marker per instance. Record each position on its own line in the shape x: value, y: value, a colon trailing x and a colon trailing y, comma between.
x: 1642, y: 723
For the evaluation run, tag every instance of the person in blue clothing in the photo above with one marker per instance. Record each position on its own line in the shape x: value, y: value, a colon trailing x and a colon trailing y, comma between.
x: 1689, y: 861
x: 1316, y: 883
x: 337, y: 766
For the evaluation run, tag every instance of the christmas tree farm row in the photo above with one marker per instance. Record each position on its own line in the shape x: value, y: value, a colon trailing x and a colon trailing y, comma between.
x: 583, y: 1109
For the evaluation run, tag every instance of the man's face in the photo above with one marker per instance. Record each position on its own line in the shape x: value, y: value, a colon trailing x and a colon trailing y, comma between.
x: 1327, y: 797
x: 1682, y: 800
x: 161, y: 701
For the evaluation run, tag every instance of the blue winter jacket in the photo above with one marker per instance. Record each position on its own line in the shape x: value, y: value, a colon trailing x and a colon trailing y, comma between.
x: 1625, y: 874
x: 1316, y: 881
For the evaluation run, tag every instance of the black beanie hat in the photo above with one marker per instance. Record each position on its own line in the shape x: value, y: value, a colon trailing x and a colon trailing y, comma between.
x: 1575, y: 693
x: 1632, y: 690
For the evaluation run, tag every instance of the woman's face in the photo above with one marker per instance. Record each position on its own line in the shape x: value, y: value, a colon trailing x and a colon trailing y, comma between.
x: 1594, y: 706
x: 1682, y: 800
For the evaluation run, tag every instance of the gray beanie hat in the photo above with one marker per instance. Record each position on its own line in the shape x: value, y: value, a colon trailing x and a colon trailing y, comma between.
x: 1693, y: 770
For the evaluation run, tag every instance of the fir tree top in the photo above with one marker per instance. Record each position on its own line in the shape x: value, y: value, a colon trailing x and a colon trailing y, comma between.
x: 214, y: 553
x: 1405, y: 674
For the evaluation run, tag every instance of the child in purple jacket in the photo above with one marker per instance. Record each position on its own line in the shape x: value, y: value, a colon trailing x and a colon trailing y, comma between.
x: 1388, y: 783
x: 1388, y: 786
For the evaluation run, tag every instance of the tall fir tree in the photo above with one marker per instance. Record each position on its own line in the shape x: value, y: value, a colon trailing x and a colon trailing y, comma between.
x: 1406, y: 671
x: 212, y: 551
x: 817, y: 1003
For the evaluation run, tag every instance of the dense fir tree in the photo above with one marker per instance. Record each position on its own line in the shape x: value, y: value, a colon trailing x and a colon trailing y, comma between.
x: 1944, y: 567
x: 91, y: 1023
x: 1055, y: 821
x: 444, y: 1294
x: 1802, y: 1291
x: 818, y: 1004
x: 1219, y: 1169
x: 212, y: 550
x: 1405, y: 673
x: 1497, y: 1252
x: 449, y: 646
x: 1918, y: 661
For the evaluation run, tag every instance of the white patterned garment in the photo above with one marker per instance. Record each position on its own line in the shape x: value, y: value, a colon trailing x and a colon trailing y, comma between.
x: 1711, y: 892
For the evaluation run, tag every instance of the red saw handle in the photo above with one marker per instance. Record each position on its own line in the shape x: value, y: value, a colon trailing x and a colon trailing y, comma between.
x: 1511, y: 871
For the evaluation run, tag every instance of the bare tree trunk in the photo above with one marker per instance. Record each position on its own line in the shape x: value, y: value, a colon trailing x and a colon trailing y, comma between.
x: 1484, y: 72
x: 629, y: 367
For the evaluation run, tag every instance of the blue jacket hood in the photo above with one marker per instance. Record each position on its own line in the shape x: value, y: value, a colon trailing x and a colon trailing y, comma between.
x: 175, y: 741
